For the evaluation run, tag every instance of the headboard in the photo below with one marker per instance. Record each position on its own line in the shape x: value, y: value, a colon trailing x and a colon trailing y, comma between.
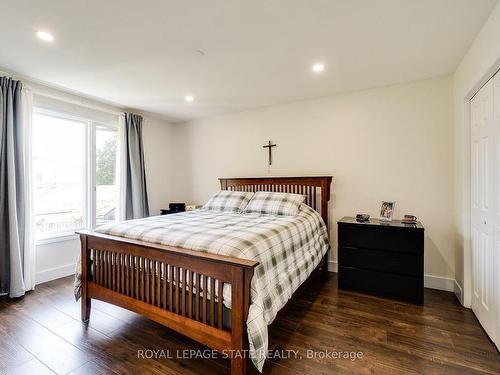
x: 316, y: 189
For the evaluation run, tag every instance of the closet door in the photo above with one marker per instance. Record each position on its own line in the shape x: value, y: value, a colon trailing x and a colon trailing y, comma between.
x: 484, y: 201
x: 496, y: 213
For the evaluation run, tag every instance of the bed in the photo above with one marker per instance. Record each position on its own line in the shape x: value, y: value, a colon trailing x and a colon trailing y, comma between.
x: 220, y: 279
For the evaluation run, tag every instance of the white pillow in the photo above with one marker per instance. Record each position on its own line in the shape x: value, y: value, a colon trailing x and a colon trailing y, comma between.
x: 228, y: 201
x: 266, y: 202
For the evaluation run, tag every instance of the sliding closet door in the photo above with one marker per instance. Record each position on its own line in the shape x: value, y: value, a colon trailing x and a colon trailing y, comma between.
x: 484, y: 209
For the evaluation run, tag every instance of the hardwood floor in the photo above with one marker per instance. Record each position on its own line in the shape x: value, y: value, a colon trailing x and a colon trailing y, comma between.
x: 42, y: 334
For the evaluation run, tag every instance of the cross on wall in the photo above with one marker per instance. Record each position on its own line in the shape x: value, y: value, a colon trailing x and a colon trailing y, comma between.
x: 270, y: 146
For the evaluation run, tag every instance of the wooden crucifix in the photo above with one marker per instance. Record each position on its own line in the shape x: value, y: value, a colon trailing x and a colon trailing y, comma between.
x: 270, y: 146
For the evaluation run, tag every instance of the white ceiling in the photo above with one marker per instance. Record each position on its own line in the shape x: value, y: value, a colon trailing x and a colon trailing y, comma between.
x: 141, y: 54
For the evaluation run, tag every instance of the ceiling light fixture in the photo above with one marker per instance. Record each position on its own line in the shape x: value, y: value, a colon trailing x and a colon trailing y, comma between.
x: 318, y: 67
x: 189, y: 98
x: 199, y: 53
x: 45, y: 36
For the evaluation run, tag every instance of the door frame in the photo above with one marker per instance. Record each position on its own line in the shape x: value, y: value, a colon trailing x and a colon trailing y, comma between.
x: 466, y: 297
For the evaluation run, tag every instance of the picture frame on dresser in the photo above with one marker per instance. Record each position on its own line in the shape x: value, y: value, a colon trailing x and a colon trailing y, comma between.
x: 387, y: 210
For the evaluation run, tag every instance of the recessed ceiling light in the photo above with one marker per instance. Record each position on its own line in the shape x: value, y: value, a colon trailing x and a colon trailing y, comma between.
x: 318, y: 67
x: 189, y: 98
x: 45, y: 36
x: 198, y: 53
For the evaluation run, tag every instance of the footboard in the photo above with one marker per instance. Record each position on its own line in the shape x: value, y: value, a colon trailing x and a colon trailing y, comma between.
x: 178, y: 288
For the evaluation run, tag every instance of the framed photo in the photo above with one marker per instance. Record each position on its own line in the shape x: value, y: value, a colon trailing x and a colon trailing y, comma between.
x: 387, y: 210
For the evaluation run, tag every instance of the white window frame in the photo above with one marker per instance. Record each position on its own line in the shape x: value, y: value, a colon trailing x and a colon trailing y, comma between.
x: 89, y: 199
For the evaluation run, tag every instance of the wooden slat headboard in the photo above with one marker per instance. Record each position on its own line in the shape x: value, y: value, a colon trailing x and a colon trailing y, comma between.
x: 316, y: 189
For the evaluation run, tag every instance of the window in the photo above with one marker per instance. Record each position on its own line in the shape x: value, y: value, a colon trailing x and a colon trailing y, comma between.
x: 74, y: 173
x: 105, y: 174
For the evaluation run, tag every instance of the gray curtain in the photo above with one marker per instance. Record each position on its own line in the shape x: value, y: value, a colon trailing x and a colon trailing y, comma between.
x: 12, y: 189
x: 136, y: 196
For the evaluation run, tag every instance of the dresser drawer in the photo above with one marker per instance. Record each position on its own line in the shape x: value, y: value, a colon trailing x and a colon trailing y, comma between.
x: 379, y: 260
x: 399, y: 239
x: 405, y: 288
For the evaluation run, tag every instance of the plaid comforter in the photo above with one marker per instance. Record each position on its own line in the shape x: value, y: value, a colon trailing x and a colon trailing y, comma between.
x: 288, y: 248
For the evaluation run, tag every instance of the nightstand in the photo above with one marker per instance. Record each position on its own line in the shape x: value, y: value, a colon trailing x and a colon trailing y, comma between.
x: 173, y: 208
x: 383, y: 258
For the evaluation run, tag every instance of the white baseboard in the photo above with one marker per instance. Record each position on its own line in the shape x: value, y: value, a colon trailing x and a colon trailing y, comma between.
x: 332, y: 266
x: 55, y: 273
x: 430, y: 281
x: 459, y: 293
x: 439, y: 282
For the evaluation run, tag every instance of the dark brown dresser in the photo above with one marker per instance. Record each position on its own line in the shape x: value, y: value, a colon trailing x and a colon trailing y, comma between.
x: 383, y: 258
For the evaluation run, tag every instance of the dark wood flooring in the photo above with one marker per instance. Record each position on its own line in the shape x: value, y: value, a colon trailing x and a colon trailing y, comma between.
x: 42, y: 334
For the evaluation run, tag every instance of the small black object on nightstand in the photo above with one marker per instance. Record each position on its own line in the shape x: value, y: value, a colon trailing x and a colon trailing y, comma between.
x: 383, y: 258
x: 173, y: 208
x: 362, y: 217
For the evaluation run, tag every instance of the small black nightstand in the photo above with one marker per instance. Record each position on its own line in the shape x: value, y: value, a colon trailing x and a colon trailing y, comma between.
x: 173, y: 208
x: 384, y: 258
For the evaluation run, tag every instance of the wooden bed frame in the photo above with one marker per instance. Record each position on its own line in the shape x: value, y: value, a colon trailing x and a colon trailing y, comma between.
x: 131, y: 274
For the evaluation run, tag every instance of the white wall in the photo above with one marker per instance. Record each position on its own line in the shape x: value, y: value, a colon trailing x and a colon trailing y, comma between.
x: 158, y: 149
x: 56, y: 259
x: 480, y: 62
x: 391, y: 143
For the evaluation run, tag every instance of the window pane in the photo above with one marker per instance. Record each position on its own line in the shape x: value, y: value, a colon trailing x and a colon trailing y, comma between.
x: 58, y: 174
x: 105, y: 175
